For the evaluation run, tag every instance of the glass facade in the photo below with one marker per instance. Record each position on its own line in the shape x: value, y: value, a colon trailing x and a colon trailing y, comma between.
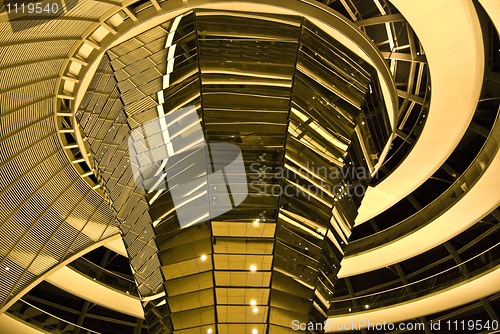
x: 289, y: 97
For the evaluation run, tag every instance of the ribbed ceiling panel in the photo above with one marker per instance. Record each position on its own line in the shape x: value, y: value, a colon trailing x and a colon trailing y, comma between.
x: 47, y: 30
x: 33, y: 50
x: 48, y: 211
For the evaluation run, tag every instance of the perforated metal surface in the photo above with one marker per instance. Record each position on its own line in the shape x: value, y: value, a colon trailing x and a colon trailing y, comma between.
x: 48, y: 211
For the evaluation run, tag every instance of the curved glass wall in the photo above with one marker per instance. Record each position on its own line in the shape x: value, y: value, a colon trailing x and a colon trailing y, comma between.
x: 288, y: 96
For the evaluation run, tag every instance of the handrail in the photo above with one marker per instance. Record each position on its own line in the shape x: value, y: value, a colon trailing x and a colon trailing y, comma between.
x: 107, y: 270
x: 104, y: 276
x: 55, y: 328
x: 448, y: 277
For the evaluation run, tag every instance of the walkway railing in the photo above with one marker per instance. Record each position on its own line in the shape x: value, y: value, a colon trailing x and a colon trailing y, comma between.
x: 44, y: 320
x: 482, y: 262
x: 105, y: 276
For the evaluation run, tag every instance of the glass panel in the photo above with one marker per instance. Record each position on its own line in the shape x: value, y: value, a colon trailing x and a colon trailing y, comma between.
x: 191, y: 300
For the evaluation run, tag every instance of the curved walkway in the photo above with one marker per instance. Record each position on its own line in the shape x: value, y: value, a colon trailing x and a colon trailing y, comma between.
x: 474, y: 289
x: 456, y: 60
x: 477, y: 202
x: 81, y: 286
x: 12, y: 325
